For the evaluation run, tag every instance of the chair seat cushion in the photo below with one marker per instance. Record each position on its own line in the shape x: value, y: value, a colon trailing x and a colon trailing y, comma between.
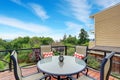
x: 33, y: 76
x: 84, y: 77
x: 77, y: 55
x: 47, y: 54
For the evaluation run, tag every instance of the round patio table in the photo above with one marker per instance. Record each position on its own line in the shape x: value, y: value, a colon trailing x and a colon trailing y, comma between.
x: 68, y: 67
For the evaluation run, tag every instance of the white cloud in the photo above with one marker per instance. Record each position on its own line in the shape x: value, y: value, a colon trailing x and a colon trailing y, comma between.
x: 106, y: 3
x: 12, y: 22
x: 35, y: 8
x: 73, y: 26
x: 39, y: 11
x: 19, y: 3
x: 79, y: 9
x: 38, y: 30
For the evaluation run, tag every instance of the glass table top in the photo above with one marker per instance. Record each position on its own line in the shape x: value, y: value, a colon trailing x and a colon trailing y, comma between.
x: 69, y: 66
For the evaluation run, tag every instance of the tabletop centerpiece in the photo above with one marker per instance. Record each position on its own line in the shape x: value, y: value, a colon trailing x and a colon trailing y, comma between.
x: 61, y: 57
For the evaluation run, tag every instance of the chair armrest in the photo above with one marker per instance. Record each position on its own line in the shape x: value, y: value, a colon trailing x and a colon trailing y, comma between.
x: 40, y: 57
x: 85, y: 58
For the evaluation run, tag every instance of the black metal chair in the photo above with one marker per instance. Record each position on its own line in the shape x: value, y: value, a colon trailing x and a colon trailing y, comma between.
x: 105, y: 68
x: 18, y: 72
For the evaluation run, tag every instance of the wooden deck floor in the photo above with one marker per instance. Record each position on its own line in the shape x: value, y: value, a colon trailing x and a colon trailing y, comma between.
x: 7, y: 75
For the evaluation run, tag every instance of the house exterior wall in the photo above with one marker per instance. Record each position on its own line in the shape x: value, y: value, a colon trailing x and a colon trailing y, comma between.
x: 107, y: 27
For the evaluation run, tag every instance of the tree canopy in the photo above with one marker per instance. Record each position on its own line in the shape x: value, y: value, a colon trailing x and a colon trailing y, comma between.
x: 34, y: 42
x: 83, y: 37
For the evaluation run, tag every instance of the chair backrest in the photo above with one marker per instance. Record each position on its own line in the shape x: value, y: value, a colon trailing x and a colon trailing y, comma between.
x: 17, y: 70
x: 106, y: 66
x: 81, y: 50
x: 45, y: 48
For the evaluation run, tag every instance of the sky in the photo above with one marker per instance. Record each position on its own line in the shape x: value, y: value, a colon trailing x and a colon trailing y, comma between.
x: 49, y: 18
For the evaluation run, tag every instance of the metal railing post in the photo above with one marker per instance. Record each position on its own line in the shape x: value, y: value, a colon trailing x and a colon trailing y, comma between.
x: 65, y: 50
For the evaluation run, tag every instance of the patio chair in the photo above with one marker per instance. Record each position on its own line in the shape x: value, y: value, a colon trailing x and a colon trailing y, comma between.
x: 104, y: 69
x: 82, y: 50
x: 46, y: 49
x: 18, y: 73
x: 81, y: 53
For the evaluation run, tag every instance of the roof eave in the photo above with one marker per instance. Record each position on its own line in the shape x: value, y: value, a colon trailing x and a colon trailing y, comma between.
x: 92, y: 16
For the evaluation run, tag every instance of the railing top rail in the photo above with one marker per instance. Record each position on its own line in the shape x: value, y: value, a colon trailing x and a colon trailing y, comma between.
x: 7, y: 50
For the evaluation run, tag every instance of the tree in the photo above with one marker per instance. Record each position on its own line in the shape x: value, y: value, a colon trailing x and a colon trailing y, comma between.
x: 71, y: 40
x: 47, y: 40
x: 64, y: 38
x: 2, y: 44
x: 35, y: 42
x: 20, y: 42
x: 83, y: 37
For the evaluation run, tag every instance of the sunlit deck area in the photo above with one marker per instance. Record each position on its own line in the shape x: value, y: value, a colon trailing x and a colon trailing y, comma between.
x: 7, y: 75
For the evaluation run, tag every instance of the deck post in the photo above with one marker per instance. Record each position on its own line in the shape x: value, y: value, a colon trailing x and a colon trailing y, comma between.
x: 65, y: 50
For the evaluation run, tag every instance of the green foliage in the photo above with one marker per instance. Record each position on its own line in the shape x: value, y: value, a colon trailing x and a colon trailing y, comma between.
x: 71, y: 40
x: 35, y: 42
x: 64, y: 38
x: 2, y: 44
x: 92, y: 62
x: 70, y: 51
x: 83, y: 37
x: 56, y: 53
x: 85, y: 44
x: 1, y: 65
x: 47, y: 40
x: 8, y: 45
x: 26, y: 42
x: 7, y: 57
x: 20, y: 42
x: 23, y: 56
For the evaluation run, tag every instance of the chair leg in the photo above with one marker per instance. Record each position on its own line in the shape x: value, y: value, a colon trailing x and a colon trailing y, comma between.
x: 77, y: 75
x: 86, y: 71
x: 48, y: 78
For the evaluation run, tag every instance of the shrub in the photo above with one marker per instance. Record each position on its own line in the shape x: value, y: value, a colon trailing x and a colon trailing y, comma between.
x: 23, y: 56
x: 70, y: 51
x: 92, y: 62
x: 1, y: 65
x: 7, y: 57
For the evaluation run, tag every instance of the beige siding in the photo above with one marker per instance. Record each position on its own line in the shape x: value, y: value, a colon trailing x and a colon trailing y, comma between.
x: 108, y: 14
x: 107, y: 27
